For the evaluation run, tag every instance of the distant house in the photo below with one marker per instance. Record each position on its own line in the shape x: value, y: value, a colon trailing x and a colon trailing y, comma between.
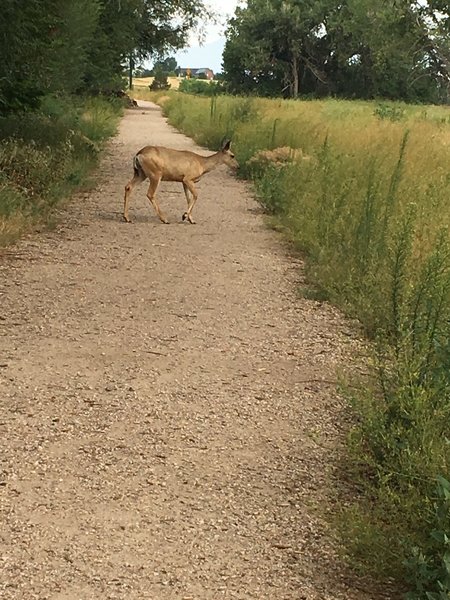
x: 196, y: 73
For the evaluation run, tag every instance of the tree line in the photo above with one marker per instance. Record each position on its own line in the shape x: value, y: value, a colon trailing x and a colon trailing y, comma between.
x: 52, y: 46
x: 398, y: 49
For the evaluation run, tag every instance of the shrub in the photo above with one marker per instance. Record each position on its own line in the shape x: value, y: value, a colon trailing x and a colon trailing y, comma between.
x: 200, y: 87
x: 45, y: 154
x: 160, y: 81
x: 389, y: 111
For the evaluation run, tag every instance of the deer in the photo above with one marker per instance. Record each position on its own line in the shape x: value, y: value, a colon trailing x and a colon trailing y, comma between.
x: 158, y: 163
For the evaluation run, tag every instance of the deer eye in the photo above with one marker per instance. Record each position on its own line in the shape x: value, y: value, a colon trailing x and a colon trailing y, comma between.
x: 232, y: 155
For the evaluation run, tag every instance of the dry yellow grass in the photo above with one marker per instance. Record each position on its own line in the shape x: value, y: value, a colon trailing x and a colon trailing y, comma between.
x: 146, y: 81
x: 12, y: 227
x: 278, y: 157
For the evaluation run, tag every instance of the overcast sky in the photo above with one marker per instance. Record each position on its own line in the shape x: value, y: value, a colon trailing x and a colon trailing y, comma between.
x: 225, y: 9
x: 210, y: 53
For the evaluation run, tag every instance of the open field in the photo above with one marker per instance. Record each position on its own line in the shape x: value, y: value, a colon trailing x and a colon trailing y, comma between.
x: 144, y: 82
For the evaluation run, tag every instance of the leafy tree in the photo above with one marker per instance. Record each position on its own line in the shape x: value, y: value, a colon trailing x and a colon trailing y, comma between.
x: 393, y: 48
x: 160, y: 81
x: 72, y: 37
x: 24, y: 48
x: 168, y: 65
x: 55, y: 45
x: 143, y: 72
x: 138, y: 29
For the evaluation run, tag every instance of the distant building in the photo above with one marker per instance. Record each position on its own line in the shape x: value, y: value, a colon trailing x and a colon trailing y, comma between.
x: 196, y: 73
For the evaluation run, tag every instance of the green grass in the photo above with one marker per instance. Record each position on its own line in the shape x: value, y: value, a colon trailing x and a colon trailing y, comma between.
x: 370, y: 210
x: 46, y: 155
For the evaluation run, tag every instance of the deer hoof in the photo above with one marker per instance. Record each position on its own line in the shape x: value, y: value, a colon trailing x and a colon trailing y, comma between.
x: 126, y: 219
x: 184, y: 217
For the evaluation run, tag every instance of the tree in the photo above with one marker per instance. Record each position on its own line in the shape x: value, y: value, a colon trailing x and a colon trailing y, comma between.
x: 72, y: 37
x: 143, y: 72
x: 55, y: 45
x: 246, y: 58
x: 357, y: 48
x: 24, y: 48
x: 138, y: 29
x: 278, y: 42
x: 160, y: 81
x: 168, y: 65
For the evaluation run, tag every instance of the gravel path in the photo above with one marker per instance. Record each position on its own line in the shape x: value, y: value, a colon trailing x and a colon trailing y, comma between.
x: 163, y: 433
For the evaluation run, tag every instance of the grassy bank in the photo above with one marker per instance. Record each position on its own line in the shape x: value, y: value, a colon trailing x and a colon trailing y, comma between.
x: 46, y: 155
x: 365, y: 198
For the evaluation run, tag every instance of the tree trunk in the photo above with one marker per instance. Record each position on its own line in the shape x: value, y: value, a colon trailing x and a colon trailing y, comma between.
x: 130, y: 74
x: 295, y: 78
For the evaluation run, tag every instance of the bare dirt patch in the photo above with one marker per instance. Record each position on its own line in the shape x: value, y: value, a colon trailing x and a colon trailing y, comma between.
x: 163, y: 433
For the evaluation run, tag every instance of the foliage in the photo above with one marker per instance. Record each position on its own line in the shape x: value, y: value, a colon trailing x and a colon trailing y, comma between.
x: 200, y: 87
x: 428, y: 568
x: 53, y: 45
x: 160, y: 81
x: 389, y: 111
x: 143, y: 72
x: 355, y: 48
x: 138, y: 29
x: 167, y: 65
x: 45, y: 155
x: 53, y: 54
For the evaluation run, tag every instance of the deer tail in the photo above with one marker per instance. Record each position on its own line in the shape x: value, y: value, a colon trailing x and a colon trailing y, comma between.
x: 137, y: 166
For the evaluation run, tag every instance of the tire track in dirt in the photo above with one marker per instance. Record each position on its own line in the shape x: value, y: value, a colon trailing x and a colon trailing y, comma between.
x: 160, y: 437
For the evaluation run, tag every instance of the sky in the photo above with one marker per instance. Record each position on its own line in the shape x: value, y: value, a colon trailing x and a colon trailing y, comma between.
x: 209, y: 54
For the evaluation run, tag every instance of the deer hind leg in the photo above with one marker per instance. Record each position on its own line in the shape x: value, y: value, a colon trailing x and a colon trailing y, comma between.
x: 189, y: 187
x: 137, y: 179
x: 154, y: 183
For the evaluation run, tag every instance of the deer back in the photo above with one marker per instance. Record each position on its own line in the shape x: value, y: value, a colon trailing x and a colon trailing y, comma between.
x: 171, y: 165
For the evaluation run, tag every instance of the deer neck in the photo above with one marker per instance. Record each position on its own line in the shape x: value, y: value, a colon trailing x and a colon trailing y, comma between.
x: 213, y: 161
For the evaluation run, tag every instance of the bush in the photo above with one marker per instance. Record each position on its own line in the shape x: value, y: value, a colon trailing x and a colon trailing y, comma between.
x: 44, y: 155
x: 160, y: 82
x: 428, y: 568
x: 393, y: 112
x: 200, y: 87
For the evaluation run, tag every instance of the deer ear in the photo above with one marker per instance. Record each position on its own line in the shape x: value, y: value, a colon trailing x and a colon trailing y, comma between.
x: 226, y: 145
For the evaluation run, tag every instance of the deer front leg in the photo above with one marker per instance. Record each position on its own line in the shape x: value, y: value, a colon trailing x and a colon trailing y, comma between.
x: 137, y: 179
x: 154, y: 183
x: 188, y: 185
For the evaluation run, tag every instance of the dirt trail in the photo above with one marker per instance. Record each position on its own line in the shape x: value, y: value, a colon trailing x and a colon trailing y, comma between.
x: 160, y: 435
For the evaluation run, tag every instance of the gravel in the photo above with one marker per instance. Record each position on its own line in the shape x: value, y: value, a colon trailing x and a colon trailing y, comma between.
x: 169, y: 423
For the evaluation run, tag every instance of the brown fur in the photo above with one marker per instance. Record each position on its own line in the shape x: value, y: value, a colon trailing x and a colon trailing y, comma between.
x: 158, y: 163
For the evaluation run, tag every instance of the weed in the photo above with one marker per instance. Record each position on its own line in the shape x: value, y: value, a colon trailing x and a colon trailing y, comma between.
x: 389, y: 111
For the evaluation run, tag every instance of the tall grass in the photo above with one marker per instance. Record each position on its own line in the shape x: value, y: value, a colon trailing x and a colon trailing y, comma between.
x: 47, y: 154
x: 370, y: 209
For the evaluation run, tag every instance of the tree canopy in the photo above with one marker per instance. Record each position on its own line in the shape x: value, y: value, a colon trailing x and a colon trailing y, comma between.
x: 166, y: 65
x: 350, y: 48
x: 55, y: 45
